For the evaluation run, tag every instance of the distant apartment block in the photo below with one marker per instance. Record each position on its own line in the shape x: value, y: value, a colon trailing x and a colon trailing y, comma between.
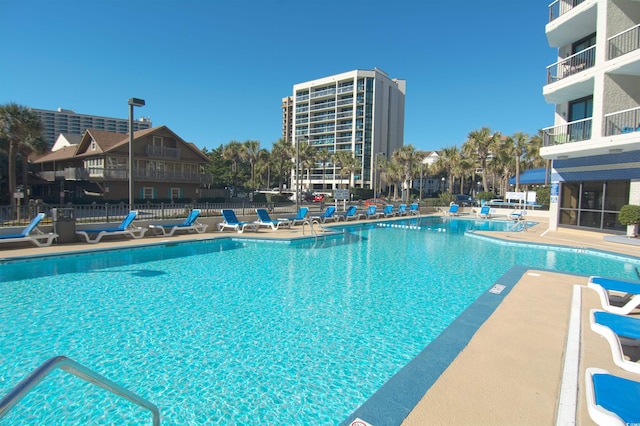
x: 594, y: 140
x: 68, y: 122
x: 360, y: 111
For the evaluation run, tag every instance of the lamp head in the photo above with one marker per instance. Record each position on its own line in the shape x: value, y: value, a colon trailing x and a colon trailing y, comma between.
x: 136, y: 102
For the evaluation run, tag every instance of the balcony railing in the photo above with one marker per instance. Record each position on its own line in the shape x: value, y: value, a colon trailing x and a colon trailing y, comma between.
x: 624, y: 42
x: 325, y: 92
x: 572, y: 65
x: 161, y: 152
x: 627, y: 121
x: 574, y: 131
x: 70, y: 173
x: 560, y: 7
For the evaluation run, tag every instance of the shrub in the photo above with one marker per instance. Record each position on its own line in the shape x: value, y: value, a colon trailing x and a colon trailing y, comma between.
x: 543, y: 196
x: 446, y: 198
x: 629, y: 215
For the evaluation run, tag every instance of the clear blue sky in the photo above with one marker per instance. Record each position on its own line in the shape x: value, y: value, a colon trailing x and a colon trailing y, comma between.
x: 215, y: 71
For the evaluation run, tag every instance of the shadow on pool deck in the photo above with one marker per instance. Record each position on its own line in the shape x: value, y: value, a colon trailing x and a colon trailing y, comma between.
x: 510, y: 372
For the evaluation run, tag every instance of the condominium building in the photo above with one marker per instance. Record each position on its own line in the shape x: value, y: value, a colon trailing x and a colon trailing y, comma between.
x: 67, y: 121
x: 360, y: 112
x: 594, y: 141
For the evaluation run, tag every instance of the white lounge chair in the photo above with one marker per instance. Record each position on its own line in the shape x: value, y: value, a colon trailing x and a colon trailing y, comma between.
x: 125, y: 228
x: 265, y: 220
x: 190, y: 224
x: 611, y: 400
x: 31, y: 234
x: 628, y: 294
x: 618, y: 330
x: 230, y: 221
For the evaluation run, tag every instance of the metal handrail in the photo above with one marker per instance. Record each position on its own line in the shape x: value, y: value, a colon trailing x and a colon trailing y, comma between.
x: 78, y: 370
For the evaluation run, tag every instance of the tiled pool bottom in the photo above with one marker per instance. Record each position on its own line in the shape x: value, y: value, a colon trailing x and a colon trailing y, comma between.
x: 320, y: 285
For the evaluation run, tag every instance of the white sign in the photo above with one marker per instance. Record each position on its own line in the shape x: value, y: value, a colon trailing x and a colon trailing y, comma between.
x: 341, y: 194
x: 18, y: 195
x: 516, y: 196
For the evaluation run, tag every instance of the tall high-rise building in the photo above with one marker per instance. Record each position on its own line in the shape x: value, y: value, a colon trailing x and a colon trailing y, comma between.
x: 360, y: 112
x: 594, y: 141
x: 67, y: 121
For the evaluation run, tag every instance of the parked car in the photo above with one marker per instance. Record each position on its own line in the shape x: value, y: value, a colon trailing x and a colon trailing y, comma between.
x: 318, y: 198
x: 378, y: 202
x: 465, y: 200
x: 307, y: 196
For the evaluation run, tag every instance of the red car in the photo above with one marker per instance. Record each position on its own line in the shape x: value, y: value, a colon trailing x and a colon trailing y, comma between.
x: 378, y: 202
x: 318, y: 198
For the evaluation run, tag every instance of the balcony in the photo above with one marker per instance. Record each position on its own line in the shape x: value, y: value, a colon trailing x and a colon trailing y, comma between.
x: 321, y: 93
x: 574, y: 64
x: 560, y: 7
x: 624, y: 42
x: 574, y: 131
x: 621, y: 122
x: 161, y: 152
x: 70, y: 173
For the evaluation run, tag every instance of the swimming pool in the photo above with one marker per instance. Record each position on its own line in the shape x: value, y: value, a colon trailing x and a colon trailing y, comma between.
x: 232, y: 331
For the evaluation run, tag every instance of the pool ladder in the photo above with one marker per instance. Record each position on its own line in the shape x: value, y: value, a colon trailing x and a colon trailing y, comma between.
x: 312, y: 228
x: 78, y: 370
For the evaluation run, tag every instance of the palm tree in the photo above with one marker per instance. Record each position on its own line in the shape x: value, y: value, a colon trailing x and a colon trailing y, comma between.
x: 250, y: 154
x: 281, y: 156
x: 393, y: 174
x: 324, y: 156
x: 21, y: 128
x: 233, y: 152
x: 479, y: 144
x: 407, y: 157
x: 263, y: 165
x: 346, y: 162
x: 447, y: 163
x: 519, y: 141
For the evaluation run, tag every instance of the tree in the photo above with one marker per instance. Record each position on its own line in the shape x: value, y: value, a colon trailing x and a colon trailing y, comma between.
x: 347, y: 164
x: 479, y: 144
x: 250, y: 153
x: 324, y: 156
x: 233, y: 152
x: 447, y: 163
x: 519, y: 141
x: 281, y: 156
x: 407, y: 158
x: 21, y: 129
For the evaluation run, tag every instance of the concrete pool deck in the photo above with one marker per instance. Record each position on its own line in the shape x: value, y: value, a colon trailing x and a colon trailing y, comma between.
x: 511, y: 370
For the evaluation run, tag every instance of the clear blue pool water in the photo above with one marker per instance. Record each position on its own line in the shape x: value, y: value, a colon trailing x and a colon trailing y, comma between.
x: 232, y: 332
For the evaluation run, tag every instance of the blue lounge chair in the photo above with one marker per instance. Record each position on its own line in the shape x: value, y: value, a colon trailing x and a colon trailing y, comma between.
x: 351, y: 213
x: 125, y: 228
x: 329, y: 214
x: 388, y: 211
x: 372, y: 213
x: 628, y: 300
x: 485, y: 212
x: 300, y: 217
x: 230, y: 220
x: 190, y: 224
x: 518, y: 215
x: 453, y: 209
x: 31, y: 234
x: 414, y: 210
x: 265, y: 220
x: 618, y: 330
x: 611, y: 400
x: 402, y: 210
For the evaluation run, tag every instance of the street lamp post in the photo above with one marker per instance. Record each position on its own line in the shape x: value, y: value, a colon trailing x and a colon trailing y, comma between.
x: 298, y: 171
x: 133, y: 102
x: 375, y: 173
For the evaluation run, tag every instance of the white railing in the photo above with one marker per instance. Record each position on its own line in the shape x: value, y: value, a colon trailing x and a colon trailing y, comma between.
x: 574, y: 131
x: 572, y: 65
x: 624, y: 42
x: 560, y: 7
x: 345, y: 89
x: 323, y: 105
x: 627, y: 121
x: 325, y: 92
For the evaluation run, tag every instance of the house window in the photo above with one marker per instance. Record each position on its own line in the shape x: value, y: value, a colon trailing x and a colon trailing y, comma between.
x: 174, y: 193
x: 157, y: 141
x: 94, y: 145
x: 584, y: 43
x: 147, y: 193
